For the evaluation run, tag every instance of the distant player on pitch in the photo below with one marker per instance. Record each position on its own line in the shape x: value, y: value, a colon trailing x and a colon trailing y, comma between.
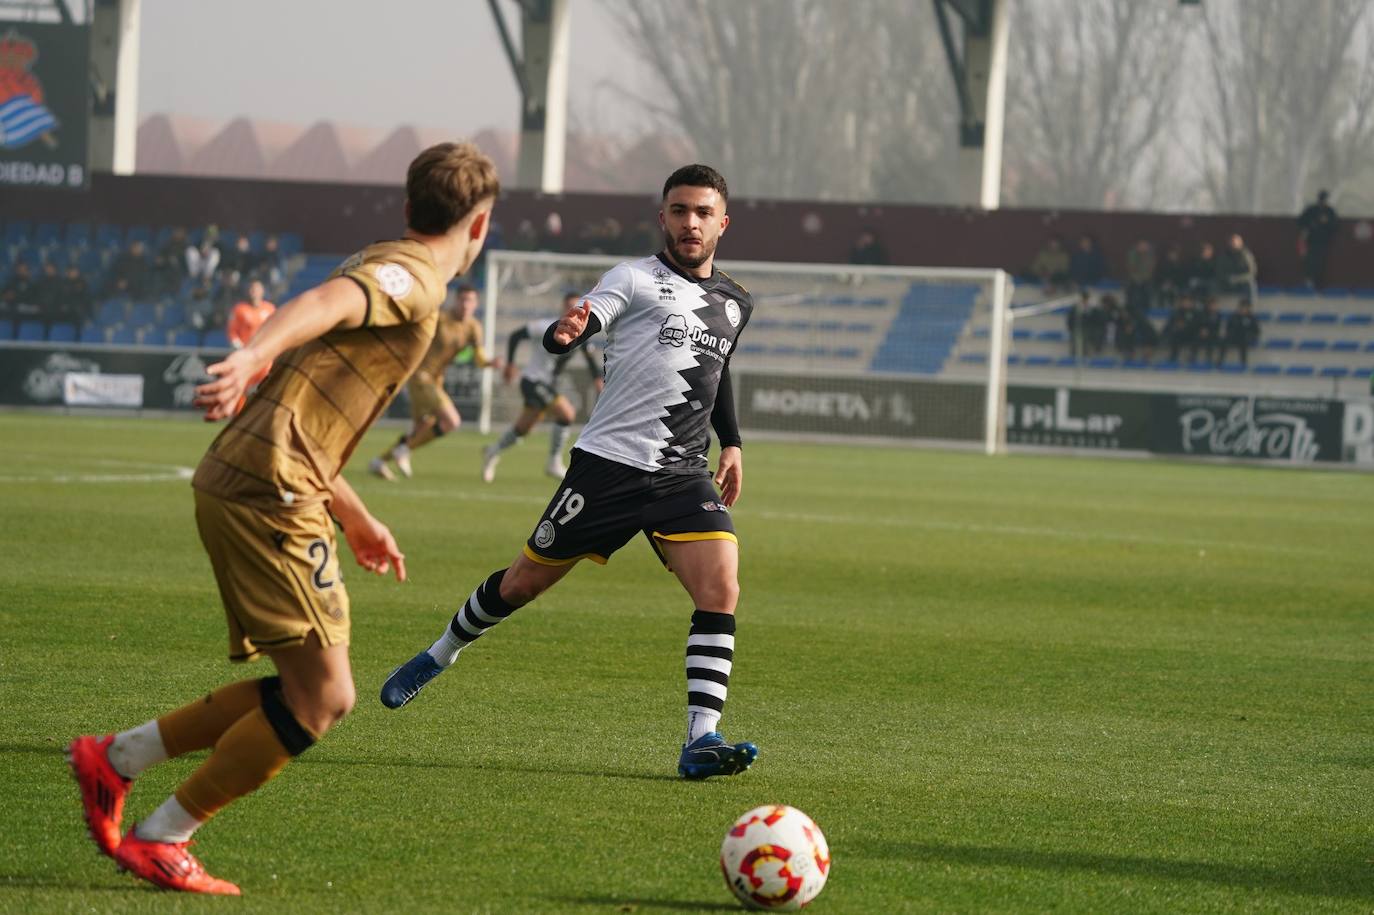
x: 432, y: 411
x: 671, y: 323
x: 267, y: 494
x: 538, y: 389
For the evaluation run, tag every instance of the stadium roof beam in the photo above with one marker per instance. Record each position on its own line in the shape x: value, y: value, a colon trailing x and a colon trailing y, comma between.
x: 540, y: 67
x: 977, y: 60
x: 114, y: 85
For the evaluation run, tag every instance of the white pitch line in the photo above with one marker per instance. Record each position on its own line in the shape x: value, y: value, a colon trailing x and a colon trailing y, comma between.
x: 956, y: 527
x: 169, y: 473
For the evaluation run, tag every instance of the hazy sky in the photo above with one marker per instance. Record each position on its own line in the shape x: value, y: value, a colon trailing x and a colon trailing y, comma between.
x: 430, y: 63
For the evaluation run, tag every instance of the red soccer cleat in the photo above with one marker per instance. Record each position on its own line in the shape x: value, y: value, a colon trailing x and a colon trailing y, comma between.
x: 170, y: 866
x: 102, y: 789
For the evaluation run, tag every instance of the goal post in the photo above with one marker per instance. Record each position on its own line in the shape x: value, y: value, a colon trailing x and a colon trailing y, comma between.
x: 832, y: 351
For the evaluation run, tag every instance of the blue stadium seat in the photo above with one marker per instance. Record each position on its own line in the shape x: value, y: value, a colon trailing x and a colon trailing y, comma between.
x: 874, y: 302
x: 1303, y: 370
x: 1362, y: 373
x: 973, y: 358
x: 844, y: 301
x: 6, y: 329
x: 1291, y: 317
x: 173, y: 315
x: 112, y: 311
x: 1282, y: 343
x: 1014, y: 359
x: 1323, y: 317
x: 17, y: 233
x: 800, y: 326
x: 1335, y: 292
x: 290, y: 243
x: 1369, y: 347
x: 47, y: 234
x: 847, y: 352
x: 1231, y: 368
x: 752, y: 349
x: 1021, y: 335
x: 143, y: 313
x: 1137, y: 364
x: 829, y: 327
x: 92, y: 333
x: 62, y: 333
x: 90, y: 262
x: 859, y: 328
x: 1201, y: 368
x: 78, y: 235
x: 1335, y: 371
x: 981, y: 333
x: 1363, y: 292
x: 31, y: 331
x: 217, y: 339
x: 1361, y: 320
x: 186, y: 337
x: 123, y: 336
x: 1065, y: 362
x: 108, y: 235
x: 765, y: 324
x: 1104, y: 362
x: 1345, y: 346
x: 138, y: 233
x: 1266, y: 369
x: 1166, y: 366
x: 1312, y: 346
x: 1037, y: 361
x: 1055, y: 336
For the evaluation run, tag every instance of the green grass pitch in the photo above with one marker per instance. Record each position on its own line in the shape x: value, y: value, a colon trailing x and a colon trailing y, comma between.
x: 999, y: 685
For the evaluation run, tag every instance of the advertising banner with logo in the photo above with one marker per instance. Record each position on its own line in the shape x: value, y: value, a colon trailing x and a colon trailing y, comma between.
x: 1294, y: 430
x: 39, y: 375
x: 887, y: 407
x: 1068, y: 418
x: 44, y: 104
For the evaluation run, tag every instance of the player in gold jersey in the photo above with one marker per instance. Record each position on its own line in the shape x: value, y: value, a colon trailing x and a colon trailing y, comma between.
x: 267, y: 495
x: 432, y: 411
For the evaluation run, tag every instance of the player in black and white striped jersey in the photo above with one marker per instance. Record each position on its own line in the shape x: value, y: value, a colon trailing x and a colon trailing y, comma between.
x: 672, y: 322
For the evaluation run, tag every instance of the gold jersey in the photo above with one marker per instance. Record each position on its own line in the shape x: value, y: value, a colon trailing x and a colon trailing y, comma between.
x: 282, y: 452
x: 452, y: 337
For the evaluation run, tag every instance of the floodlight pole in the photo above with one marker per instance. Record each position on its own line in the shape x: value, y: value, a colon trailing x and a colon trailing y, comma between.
x: 540, y: 67
x: 978, y: 65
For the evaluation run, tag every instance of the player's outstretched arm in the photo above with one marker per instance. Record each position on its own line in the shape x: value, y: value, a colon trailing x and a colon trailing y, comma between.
x: 370, y: 540
x: 729, y: 476
x: 577, y: 324
x: 338, y: 303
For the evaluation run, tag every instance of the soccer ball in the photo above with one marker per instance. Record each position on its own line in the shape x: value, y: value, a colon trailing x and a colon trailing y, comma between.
x: 774, y: 857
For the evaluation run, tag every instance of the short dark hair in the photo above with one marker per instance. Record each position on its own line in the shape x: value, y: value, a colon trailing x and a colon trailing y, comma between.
x: 697, y: 176
x: 464, y: 289
x: 445, y: 183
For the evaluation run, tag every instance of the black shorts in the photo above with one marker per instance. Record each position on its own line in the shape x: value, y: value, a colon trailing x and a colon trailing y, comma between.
x: 537, y: 394
x: 601, y: 504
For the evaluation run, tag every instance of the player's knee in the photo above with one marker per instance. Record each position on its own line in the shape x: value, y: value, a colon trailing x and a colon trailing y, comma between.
x: 320, y: 706
x: 719, y: 596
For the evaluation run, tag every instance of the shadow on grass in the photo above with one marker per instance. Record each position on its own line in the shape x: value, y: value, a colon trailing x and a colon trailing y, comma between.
x: 1347, y: 875
x: 633, y: 905
x: 33, y: 882
x: 481, y: 767
x: 38, y: 748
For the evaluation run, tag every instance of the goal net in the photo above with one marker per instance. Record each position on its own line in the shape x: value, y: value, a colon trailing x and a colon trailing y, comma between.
x: 832, y: 350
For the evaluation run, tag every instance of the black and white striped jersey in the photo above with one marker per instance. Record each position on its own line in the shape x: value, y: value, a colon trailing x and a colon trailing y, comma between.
x: 668, y: 338
x: 540, y: 363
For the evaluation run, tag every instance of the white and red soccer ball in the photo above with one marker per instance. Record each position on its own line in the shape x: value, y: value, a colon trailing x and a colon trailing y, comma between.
x: 775, y: 857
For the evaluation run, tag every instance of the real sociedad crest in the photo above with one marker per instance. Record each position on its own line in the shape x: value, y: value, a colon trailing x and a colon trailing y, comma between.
x: 24, y: 118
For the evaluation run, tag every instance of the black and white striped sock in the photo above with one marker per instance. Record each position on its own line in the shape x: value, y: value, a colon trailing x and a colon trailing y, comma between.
x: 710, y: 655
x: 480, y: 612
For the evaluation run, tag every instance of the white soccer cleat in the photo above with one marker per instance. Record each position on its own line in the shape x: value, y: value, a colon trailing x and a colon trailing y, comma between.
x: 402, y: 458
x: 555, y: 468
x: 490, y: 458
x: 377, y: 467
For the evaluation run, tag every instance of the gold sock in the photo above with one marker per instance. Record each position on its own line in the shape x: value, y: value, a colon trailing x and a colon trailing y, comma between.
x: 248, y: 755
x: 200, y: 724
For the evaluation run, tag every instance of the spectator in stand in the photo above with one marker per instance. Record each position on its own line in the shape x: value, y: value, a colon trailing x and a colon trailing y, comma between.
x: 1051, y: 265
x: 1172, y: 275
x: 1087, y: 326
x: 867, y: 249
x: 1181, y: 329
x: 239, y: 265
x: 645, y: 238
x: 1087, y: 266
x: 551, y: 236
x: 1140, y: 278
x: 1202, y: 272
x: 76, y: 293
x: 1136, y: 337
x: 169, y: 264
x: 1316, y: 230
x: 18, y: 300
x: 202, y: 260
x: 1242, y: 332
x: 129, y: 274
x: 271, y: 266
x: 47, y: 295
x: 1236, y: 268
x: 525, y: 238
x: 1207, y: 337
x: 201, y: 310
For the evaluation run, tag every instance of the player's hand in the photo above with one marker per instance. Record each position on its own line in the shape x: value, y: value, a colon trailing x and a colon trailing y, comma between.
x: 229, y: 381
x: 374, y: 548
x: 573, y: 322
x: 600, y: 385
x: 729, y: 476
x: 508, y: 373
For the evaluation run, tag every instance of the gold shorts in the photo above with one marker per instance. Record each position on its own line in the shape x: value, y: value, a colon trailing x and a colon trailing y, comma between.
x: 278, y: 575
x: 427, y: 398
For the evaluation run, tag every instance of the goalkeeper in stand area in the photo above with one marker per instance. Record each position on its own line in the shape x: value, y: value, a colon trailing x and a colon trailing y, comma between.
x: 431, y: 409
x: 671, y: 323
x: 267, y: 495
x: 539, y: 390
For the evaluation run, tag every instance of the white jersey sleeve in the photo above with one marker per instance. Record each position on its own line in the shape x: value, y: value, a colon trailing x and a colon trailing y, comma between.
x: 612, y: 294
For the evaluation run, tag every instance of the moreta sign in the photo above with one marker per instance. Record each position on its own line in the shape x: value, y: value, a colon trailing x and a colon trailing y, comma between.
x: 44, y: 104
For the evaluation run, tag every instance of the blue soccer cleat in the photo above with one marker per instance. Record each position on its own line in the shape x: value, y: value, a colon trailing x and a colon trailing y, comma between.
x: 710, y: 755
x: 407, y: 680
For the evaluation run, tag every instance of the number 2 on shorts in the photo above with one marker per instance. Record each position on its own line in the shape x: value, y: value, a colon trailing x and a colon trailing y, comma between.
x: 319, y: 551
x: 574, y: 505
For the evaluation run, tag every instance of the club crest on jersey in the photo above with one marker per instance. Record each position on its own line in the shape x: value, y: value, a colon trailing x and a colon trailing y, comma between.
x: 674, y: 330
x: 661, y: 275
x: 543, y: 535
x: 732, y: 312
x: 395, y: 280
x: 714, y: 507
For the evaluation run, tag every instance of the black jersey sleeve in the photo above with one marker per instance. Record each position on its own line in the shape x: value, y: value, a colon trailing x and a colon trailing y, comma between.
x: 592, y: 329
x: 723, y: 418
x: 520, y: 334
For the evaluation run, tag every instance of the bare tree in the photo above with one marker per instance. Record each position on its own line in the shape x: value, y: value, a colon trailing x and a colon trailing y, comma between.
x: 1291, y: 93
x: 796, y: 98
x: 1091, y: 97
